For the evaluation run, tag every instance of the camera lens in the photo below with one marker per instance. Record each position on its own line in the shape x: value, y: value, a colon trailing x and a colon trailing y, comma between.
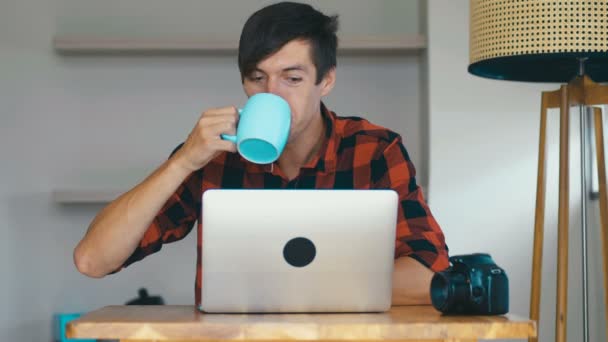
x: 449, y: 291
x: 440, y: 291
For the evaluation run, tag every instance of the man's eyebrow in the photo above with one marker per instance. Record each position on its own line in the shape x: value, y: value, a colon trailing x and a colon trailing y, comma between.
x: 297, y: 67
x: 257, y: 70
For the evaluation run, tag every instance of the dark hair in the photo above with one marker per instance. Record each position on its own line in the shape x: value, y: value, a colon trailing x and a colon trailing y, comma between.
x: 270, y: 28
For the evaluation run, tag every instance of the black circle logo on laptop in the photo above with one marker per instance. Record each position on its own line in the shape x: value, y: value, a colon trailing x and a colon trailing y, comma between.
x: 299, y: 252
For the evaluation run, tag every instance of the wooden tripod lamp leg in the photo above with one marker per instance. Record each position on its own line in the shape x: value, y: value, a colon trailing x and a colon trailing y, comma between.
x: 539, y: 216
x: 561, y: 318
x: 601, y: 172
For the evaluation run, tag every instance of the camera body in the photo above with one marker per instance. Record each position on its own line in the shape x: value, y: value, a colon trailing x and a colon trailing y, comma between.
x: 472, y: 285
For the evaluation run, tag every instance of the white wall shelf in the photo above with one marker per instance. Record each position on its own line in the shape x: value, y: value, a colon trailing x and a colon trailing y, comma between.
x: 101, y: 196
x: 353, y: 45
x: 85, y: 196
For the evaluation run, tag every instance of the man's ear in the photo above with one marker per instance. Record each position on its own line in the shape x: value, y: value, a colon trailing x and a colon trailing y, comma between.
x: 328, y: 82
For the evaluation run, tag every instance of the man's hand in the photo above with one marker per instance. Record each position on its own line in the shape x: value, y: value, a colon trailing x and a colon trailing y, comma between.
x: 411, y: 282
x: 204, y: 142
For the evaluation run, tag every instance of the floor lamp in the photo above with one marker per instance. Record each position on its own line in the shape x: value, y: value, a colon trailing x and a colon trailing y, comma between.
x: 564, y: 42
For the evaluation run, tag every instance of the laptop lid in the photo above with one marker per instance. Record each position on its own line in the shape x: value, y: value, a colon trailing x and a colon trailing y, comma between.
x: 298, y: 250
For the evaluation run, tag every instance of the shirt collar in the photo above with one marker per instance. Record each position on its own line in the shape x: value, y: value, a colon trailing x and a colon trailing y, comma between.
x: 324, y: 160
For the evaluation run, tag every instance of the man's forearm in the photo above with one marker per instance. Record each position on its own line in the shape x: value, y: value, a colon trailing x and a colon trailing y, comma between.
x: 118, y: 228
x: 411, y: 282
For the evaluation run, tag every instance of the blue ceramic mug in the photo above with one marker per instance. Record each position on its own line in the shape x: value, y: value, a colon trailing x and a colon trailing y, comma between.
x: 263, y: 128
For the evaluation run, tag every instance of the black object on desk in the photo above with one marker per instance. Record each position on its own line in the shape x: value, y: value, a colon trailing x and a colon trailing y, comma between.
x: 145, y: 299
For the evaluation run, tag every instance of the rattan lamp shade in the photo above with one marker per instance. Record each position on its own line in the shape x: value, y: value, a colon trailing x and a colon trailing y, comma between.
x: 538, y: 40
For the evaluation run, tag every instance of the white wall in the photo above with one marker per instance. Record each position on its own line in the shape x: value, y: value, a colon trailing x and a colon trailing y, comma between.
x: 107, y: 121
x: 191, y: 18
x: 483, y: 162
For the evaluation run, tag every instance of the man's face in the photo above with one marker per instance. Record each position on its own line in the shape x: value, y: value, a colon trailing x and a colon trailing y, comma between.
x: 291, y: 74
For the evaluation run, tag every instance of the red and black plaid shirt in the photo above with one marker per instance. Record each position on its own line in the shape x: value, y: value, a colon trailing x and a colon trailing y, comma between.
x: 355, y: 154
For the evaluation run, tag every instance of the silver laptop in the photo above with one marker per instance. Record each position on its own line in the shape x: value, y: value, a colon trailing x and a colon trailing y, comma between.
x: 298, y: 250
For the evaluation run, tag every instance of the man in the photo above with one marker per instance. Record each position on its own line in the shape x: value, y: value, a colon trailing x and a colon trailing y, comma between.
x: 288, y: 49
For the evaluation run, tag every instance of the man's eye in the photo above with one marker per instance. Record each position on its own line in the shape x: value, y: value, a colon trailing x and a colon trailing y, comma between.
x: 256, y: 79
x: 294, y: 79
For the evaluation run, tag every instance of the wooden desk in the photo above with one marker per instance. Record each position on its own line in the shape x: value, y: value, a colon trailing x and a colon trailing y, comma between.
x: 185, y: 323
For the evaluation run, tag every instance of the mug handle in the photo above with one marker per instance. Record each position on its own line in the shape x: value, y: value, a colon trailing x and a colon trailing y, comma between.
x: 229, y: 137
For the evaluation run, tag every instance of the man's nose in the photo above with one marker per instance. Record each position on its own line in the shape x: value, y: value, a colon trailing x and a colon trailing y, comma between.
x: 273, y: 86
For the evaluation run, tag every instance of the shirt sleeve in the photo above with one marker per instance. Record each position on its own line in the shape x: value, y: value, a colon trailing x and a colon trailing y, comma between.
x: 173, y: 222
x: 418, y: 233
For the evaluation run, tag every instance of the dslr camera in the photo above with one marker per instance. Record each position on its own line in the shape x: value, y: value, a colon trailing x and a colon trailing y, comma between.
x: 472, y: 285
